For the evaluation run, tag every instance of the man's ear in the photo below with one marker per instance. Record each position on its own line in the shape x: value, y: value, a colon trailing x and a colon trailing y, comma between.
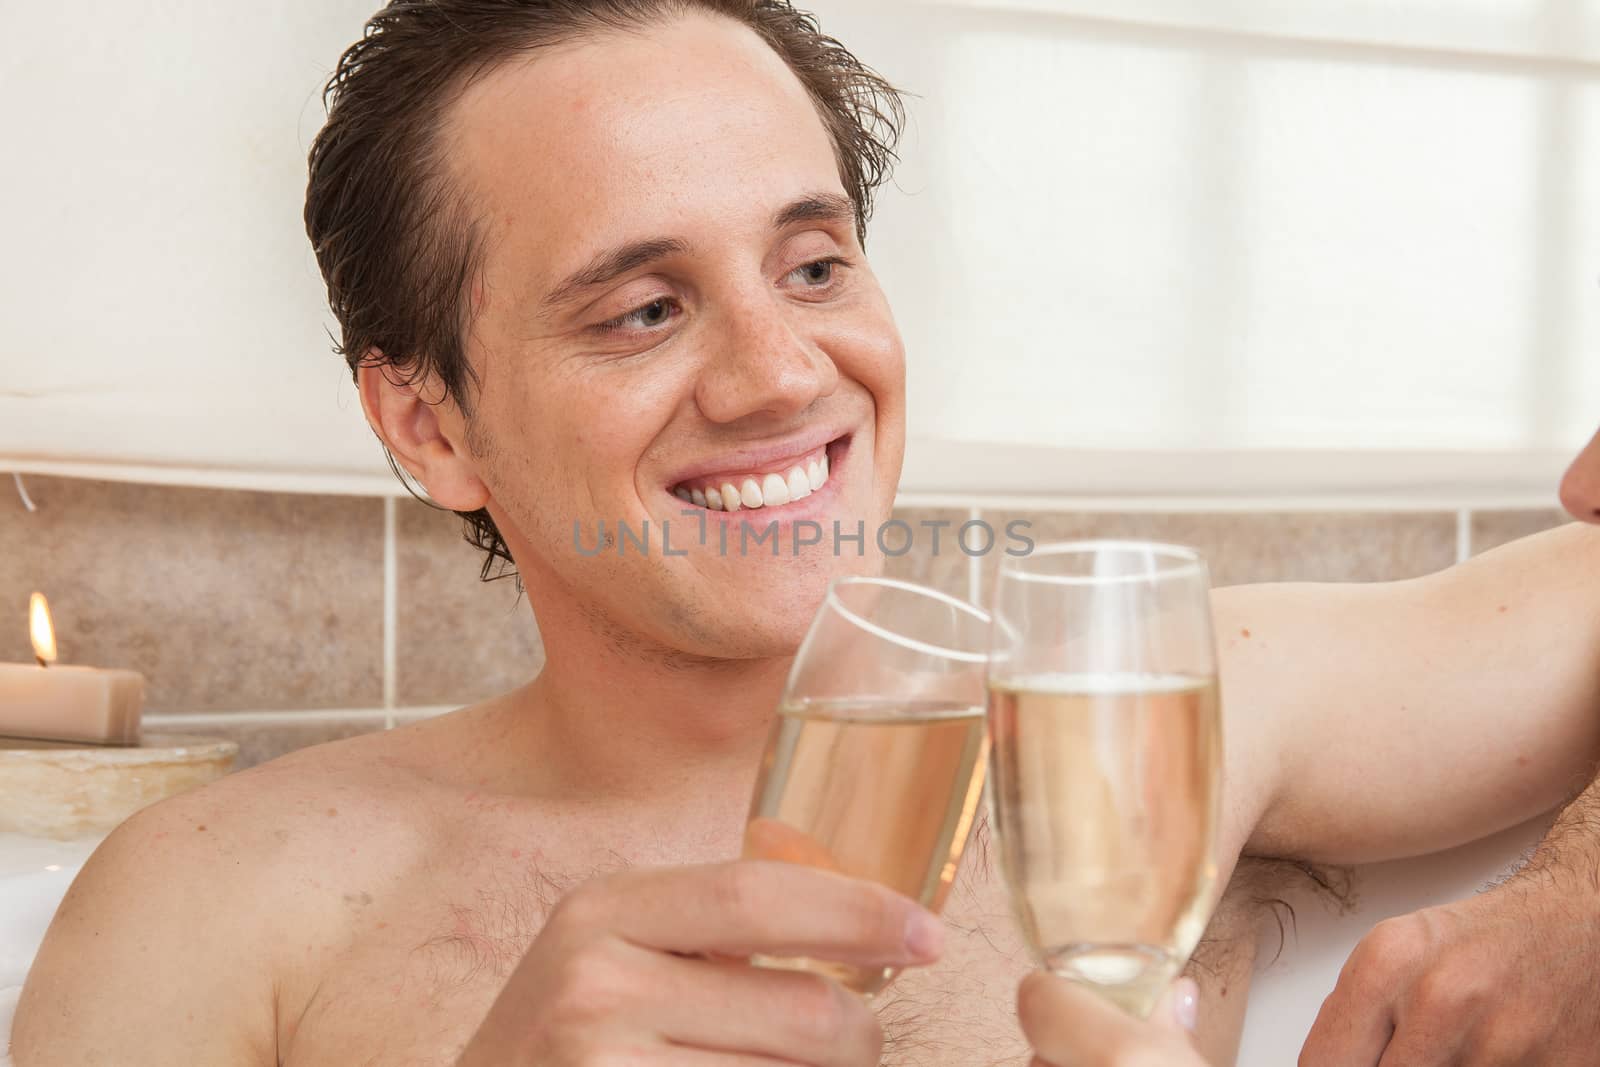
x: 410, y: 427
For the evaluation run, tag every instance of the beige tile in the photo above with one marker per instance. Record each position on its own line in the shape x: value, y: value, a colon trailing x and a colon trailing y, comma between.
x: 1270, y: 546
x: 459, y: 639
x: 224, y: 600
x: 946, y: 569
x: 260, y: 740
x: 1493, y: 528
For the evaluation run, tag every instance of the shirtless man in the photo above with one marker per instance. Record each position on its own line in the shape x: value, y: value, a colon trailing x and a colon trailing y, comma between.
x: 582, y: 262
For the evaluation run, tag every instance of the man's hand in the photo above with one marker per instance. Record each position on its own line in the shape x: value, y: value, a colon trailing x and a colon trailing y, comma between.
x: 1069, y: 1026
x: 648, y: 967
x: 1511, y: 976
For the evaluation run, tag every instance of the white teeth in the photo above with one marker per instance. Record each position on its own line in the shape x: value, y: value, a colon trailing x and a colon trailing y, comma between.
x: 774, y: 490
x: 760, y: 490
x: 799, y: 488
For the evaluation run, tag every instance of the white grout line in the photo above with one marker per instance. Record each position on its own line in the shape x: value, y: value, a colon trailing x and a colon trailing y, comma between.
x: 223, y: 718
x: 1463, y: 535
x: 974, y: 566
x: 427, y: 711
x: 258, y: 717
x: 391, y: 609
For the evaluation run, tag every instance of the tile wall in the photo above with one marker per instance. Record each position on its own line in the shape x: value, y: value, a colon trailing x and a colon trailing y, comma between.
x: 283, y: 620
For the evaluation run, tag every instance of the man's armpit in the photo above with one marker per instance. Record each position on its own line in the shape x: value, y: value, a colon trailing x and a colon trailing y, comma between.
x: 1258, y: 907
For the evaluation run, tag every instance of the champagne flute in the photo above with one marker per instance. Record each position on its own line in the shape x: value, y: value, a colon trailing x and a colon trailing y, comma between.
x: 1106, y: 734
x: 875, y: 765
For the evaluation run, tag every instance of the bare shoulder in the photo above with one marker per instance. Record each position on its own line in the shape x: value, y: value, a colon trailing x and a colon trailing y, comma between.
x: 1541, y: 565
x: 174, y: 943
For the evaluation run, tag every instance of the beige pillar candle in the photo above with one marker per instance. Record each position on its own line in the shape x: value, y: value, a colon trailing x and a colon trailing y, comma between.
x: 70, y: 704
x: 52, y: 703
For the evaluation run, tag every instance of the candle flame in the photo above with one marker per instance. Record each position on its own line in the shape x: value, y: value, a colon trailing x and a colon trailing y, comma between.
x: 39, y: 628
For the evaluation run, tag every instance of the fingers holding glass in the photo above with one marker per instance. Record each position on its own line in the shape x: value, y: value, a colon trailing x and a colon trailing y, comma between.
x: 875, y: 765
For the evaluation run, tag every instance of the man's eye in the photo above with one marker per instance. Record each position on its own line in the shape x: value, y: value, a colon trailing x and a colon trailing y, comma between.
x: 645, y: 317
x: 818, y: 273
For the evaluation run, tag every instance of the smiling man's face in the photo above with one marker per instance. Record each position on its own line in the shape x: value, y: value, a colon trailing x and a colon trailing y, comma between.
x: 673, y: 302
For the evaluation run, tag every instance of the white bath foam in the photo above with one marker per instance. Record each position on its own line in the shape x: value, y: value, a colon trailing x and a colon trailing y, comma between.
x: 34, y: 875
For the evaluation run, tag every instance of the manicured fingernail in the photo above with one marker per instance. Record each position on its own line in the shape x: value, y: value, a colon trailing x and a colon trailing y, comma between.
x: 1186, y: 1003
x: 924, y: 935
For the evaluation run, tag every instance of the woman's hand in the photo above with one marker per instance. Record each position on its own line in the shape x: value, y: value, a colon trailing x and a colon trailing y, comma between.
x: 1070, y: 1026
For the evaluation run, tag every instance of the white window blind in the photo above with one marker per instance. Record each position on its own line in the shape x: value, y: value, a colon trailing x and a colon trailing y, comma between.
x: 1252, y: 228
x: 1241, y: 244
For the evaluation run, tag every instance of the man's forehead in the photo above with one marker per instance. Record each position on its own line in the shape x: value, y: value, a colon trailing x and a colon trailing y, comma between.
x: 610, y: 138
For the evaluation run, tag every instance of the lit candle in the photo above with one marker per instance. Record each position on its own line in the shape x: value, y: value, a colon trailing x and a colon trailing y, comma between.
x: 79, y: 704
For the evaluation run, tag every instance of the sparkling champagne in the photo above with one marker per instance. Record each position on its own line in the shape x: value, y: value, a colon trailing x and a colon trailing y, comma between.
x: 874, y: 789
x: 1106, y: 789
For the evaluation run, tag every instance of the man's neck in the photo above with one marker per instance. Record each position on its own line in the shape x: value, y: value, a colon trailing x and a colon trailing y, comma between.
x: 636, y: 727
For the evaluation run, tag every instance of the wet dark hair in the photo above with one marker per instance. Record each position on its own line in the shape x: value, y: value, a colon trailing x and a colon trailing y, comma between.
x: 398, y: 247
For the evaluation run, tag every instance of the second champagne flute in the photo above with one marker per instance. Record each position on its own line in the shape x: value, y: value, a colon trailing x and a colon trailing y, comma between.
x: 1107, y: 759
x: 876, y: 763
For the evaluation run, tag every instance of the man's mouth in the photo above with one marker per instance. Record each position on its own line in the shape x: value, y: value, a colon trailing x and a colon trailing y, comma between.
x: 792, y: 479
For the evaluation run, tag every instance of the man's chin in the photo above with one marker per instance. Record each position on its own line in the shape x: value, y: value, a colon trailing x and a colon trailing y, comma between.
x: 734, y: 641
x: 764, y: 612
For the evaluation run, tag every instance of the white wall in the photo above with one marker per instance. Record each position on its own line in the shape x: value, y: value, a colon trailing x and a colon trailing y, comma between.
x: 1261, y: 230
x: 159, y: 299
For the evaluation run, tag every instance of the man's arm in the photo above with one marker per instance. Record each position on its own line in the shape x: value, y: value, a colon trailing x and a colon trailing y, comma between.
x: 1368, y: 722
x: 153, y: 957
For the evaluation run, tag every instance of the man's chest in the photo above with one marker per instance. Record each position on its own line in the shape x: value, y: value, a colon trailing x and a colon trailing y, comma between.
x: 408, y: 980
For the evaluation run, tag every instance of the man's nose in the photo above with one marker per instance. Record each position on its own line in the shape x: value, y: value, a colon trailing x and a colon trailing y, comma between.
x: 762, y: 364
x: 1580, y: 489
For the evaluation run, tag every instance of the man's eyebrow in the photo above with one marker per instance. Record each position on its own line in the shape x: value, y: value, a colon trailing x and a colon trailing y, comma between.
x: 819, y: 207
x: 614, y: 263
